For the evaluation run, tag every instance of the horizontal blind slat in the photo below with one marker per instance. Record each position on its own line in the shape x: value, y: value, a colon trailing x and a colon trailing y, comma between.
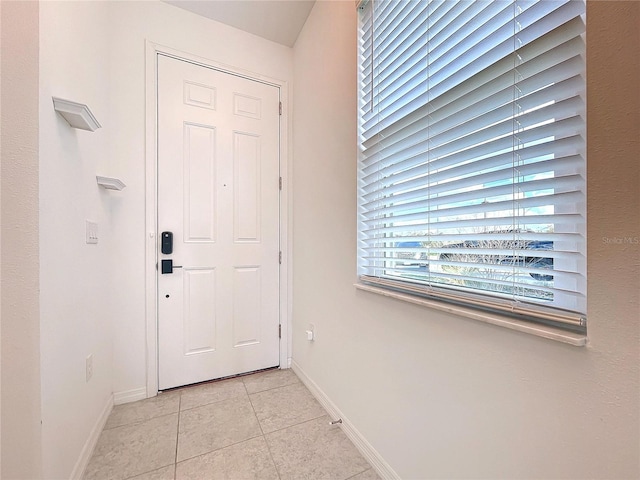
x: 472, y: 130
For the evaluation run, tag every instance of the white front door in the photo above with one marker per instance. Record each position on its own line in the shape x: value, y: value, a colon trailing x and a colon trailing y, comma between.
x: 218, y: 195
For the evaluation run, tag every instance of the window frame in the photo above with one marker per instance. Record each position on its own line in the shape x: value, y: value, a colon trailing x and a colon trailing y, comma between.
x: 514, y: 314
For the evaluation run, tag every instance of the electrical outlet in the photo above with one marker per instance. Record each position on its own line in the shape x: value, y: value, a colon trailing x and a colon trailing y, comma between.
x: 89, y: 367
x: 311, y: 335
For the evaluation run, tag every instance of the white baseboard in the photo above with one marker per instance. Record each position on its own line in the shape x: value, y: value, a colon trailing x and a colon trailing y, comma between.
x: 90, y: 444
x: 129, y: 396
x: 382, y: 468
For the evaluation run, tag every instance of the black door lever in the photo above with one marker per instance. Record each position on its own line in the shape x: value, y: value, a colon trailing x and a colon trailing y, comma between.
x: 168, y: 266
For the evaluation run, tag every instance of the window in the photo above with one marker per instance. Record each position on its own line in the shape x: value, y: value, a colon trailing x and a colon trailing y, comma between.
x: 472, y: 154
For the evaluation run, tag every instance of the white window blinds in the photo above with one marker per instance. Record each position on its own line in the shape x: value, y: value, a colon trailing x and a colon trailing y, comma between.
x: 472, y: 153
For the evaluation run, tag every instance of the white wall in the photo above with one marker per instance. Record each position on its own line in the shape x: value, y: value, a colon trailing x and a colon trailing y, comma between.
x: 93, y: 296
x: 20, y: 362
x: 62, y: 299
x: 132, y: 24
x: 76, y: 279
x: 445, y: 397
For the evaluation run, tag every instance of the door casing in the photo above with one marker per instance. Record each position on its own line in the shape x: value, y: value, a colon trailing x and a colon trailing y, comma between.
x: 151, y: 205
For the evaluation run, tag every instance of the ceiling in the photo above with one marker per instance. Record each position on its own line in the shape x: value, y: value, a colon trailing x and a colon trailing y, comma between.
x: 277, y: 20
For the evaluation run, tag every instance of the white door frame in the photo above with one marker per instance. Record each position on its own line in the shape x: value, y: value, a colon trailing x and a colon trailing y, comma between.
x: 151, y: 207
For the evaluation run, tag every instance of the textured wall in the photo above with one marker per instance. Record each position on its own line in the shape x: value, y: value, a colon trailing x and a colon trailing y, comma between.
x: 445, y: 397
x: 613, y: 112
x: 19, y: 256
x: 0, y: 237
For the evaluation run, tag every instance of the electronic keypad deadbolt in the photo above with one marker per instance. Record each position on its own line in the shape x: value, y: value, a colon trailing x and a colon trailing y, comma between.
x: 167, y: 243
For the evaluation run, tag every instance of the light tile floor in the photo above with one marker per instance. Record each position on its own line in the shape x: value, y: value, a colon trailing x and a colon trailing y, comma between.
x: 261, y: 426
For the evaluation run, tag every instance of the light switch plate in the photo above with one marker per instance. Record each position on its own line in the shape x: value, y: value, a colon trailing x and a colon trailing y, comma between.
x: 92, y: 232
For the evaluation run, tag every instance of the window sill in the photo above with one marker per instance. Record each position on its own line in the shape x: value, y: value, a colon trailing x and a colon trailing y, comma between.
x: 575, y: 339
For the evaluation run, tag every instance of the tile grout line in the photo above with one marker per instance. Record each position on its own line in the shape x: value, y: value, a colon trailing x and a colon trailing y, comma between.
x: 138, y: 422
x: 215, y: 401
x: 219, y: 449
x: 232, y: 444
x: 273, y: 388
x: 175, y: 457
x: 137, y: 475
x: 135, y: 424
x: 325, y: 414
x: 210, y: 403
x: 298, y: 382
x: 264, y: 437
x: 360, y: 473
x: 271, y: 456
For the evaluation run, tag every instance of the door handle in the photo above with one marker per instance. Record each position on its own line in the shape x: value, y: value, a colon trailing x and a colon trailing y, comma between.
x: 168, y: 266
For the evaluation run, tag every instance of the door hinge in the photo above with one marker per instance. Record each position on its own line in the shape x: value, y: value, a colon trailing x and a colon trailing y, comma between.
x: 280, y: 108
x: 280, y: 258
x: 280, y: 183
x: 280, y: 330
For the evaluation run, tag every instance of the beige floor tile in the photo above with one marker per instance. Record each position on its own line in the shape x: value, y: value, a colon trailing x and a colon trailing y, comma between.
x: 165, y: 473
x: 214, y: 426
x: 163, y: 404
x: 285, y: 406
x: 259, y: 382
x: 130, y: 450
x: 221, y: 431
x: 213, y: 392
x: 316, y: 450
x: 366, y: 475
x: 246, y: 460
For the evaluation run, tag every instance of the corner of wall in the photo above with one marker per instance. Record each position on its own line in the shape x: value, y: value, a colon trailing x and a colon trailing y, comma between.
x: 92, y: 440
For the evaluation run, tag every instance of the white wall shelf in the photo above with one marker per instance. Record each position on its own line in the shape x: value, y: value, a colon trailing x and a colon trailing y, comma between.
x: 78, y: 115
x: 110, y: 183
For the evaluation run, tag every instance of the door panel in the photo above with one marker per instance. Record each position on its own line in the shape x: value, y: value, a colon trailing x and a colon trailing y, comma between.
x: 246, y: 201
x: 218, y: 171
x: 246, y: 305
x: 199, y: 316
x: 199, y: 183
